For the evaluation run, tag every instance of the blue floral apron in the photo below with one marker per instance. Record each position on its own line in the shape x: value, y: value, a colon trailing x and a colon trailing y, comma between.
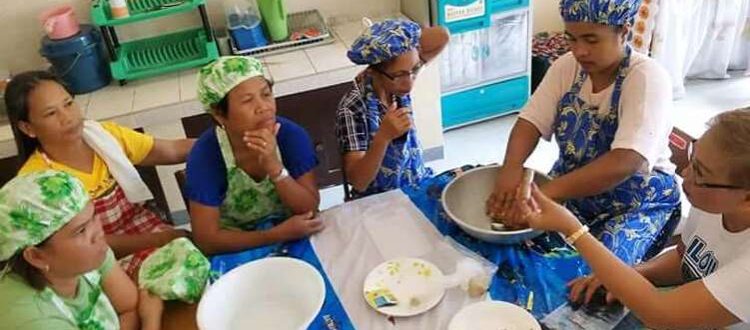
x: 403, y: 164
x: 629, y: 218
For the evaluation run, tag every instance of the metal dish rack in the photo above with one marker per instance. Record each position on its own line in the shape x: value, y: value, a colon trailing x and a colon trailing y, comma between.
x: 297, y: 22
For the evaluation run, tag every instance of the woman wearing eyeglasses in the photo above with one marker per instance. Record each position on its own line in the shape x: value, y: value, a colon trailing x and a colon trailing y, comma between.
x: 708, y: 272
x: 374, y: 122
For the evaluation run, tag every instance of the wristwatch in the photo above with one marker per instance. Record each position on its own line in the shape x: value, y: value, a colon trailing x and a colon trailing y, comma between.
x: 281, y: 176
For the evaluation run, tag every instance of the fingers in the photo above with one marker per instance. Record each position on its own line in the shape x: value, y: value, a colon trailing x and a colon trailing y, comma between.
x: 506, y: 204
x: 315, y: 225
x: 489, y: 205
x: 393, y: 107
x: 577, y: 287
x: 610, y: 298
x: 537, y: 194
x: 593, y: 285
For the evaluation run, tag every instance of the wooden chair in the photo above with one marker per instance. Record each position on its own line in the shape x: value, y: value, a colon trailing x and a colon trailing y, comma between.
x: 181, y: 178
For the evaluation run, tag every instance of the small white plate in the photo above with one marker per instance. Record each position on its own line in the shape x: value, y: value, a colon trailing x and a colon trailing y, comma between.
x: 415, y: 283
x: 493, y: 315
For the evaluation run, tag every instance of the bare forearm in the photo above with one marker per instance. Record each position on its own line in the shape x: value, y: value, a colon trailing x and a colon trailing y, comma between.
x: 225, y: 241
x: 363, y: 171
x: 181, y: 150
x: 523, y: 139
x: 168, y: 152
x: 599, y: 176
x: 127, y: 244
x: 296, y: 196
x: 129, y: 320
x: 151, y: 322
x: 432, y: 42
x: 664, y: 270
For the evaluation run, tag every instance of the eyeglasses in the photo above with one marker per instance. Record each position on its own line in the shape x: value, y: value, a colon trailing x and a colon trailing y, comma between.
x: 401, y: 75
x: 697, y: 173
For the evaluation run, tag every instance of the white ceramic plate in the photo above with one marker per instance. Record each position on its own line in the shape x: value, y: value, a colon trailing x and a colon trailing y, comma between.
x: 415, y: 283
x: 493, y: 315
x: 270, y: 293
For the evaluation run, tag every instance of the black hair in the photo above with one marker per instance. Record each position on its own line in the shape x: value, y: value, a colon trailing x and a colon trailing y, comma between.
x: 17, y: 105
x: 222, y: 107
x: 18, y: 265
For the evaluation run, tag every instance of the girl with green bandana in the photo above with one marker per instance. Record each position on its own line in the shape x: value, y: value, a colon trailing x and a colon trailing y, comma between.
x: 57, y: 271
x: 253, y: 166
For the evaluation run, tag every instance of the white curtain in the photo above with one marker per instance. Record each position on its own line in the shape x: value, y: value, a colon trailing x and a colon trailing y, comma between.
x: 702, y: 39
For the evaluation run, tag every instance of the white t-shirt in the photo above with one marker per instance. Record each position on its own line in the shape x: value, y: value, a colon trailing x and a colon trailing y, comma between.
x: 721, y: 259
x: 644, y: 120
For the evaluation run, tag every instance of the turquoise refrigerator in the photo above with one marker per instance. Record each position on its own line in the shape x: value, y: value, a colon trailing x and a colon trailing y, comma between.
x: 485, y: 69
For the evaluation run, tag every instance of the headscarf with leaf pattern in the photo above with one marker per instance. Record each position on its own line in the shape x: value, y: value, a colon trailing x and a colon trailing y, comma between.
x: 217, y: 78
x: 36, y: 205
x: 384, y: 41
x: 607, y: 12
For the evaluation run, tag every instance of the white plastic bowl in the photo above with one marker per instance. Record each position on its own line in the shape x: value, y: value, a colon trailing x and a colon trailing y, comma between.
x: 492, y: 315
x: 271, y: 293
x: 464, y: 201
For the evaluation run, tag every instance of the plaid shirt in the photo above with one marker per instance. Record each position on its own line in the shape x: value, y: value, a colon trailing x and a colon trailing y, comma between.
x: 353, y: 119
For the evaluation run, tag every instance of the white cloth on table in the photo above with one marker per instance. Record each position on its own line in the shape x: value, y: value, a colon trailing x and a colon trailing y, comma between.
x: 362, y: 234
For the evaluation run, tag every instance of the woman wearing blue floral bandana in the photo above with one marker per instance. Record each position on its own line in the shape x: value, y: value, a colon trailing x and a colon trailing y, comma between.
x: 374, y: 123
x: 608, y: 109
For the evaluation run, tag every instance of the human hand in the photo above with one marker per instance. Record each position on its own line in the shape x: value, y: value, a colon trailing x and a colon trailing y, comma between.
x: 262, y: 142
x: 583, y: 290
x: 298, y: 226
x: 395, y: 123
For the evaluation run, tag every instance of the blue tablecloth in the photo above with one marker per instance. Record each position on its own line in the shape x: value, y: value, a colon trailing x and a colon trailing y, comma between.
x: 332, y: 315
x: 533, y: 275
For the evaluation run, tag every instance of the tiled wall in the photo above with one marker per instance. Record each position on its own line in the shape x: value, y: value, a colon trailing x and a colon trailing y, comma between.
x: 20, y: 30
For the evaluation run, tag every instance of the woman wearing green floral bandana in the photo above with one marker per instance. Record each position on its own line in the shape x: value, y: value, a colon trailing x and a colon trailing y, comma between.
x: 251, y: 167
x: 57, y: 270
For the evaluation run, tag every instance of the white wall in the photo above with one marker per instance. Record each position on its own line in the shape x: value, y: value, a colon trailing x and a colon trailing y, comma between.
x: 21, y: 31
x: 546, y: 15
x: 426, y: 105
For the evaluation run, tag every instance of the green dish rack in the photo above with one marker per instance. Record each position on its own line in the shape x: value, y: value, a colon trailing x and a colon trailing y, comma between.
x: 140, y: 10
x: 141, y: 58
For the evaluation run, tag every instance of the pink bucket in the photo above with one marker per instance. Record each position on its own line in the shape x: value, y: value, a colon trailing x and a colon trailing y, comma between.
x: 60, y: 22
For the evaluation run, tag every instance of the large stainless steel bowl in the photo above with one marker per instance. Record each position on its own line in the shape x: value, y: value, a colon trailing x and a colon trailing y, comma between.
x: 464, y: 201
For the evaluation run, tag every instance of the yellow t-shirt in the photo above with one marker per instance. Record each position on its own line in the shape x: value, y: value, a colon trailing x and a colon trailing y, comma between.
x: 136, y: 146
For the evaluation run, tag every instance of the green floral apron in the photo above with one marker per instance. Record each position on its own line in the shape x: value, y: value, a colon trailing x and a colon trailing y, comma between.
x: 98, y: 315
x: 246, y: 201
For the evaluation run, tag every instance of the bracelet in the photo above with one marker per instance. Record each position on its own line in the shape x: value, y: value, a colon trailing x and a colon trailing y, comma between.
x: 283, y: 174
x: 575, y: 236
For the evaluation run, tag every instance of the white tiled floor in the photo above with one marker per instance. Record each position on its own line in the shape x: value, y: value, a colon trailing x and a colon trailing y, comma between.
x: 484, y: 143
